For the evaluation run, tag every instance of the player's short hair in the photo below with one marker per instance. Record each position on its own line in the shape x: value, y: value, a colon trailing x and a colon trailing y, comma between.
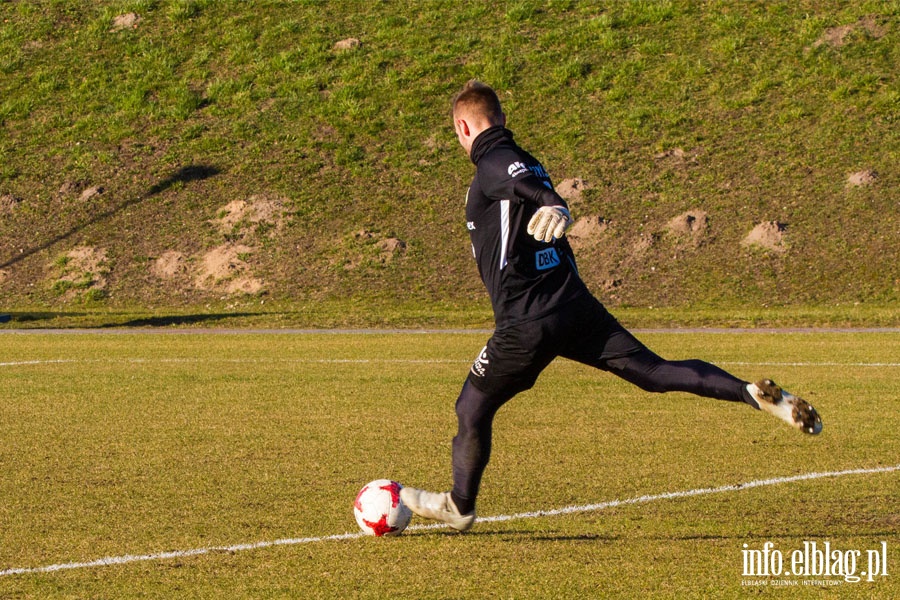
x: 478, y: 98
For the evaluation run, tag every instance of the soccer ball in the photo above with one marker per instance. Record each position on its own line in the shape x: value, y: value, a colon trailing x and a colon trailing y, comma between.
x: 379, y: 510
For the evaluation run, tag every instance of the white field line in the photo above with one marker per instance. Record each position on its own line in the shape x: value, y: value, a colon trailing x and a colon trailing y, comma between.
x: 132, y: 558
x: 805, y: 364
x: 320, y: 361
x: 400, y: 361
x: 22, y: 363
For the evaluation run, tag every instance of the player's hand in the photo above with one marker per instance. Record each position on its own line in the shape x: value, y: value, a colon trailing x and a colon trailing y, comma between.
x: 549, y: 223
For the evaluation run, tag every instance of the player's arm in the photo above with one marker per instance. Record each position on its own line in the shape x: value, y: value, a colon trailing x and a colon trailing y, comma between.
x: 552, y: 218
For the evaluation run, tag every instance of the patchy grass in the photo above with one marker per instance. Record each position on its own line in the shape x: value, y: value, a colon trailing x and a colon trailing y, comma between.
x: 752, y: 112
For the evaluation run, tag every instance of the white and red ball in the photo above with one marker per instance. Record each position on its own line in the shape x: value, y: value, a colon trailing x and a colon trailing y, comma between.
x: 379, y: 510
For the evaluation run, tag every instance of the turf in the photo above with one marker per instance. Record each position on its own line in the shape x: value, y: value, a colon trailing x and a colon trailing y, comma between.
x: 137, y: 443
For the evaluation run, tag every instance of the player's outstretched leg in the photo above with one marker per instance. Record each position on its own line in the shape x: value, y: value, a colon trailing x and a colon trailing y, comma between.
x: 789, y: 408
x: 438, y: 506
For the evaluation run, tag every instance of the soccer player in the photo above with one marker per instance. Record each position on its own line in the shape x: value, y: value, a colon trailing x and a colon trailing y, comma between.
x: 542, y: 309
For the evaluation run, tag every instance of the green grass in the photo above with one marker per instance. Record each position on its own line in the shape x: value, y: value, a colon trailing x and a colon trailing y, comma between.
x: 397, y: 313
x: 256, y: 97
x: 142, y: 443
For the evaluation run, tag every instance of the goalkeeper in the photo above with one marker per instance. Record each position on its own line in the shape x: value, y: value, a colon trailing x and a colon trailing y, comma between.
x: 542, y: 309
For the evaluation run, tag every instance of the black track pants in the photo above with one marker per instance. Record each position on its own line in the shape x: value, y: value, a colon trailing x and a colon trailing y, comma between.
x: 584, y: 332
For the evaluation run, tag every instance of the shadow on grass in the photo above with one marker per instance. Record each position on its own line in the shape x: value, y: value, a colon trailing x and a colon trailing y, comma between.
x: 531, y: 535
x: 178, y: 320
x: 88, y: 320
x: 691, y: 537
x: 28, y: 317
x: 182, y: 175
x: 523, y: 533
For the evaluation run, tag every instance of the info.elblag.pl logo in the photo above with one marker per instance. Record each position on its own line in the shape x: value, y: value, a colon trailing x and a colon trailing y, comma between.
x: 814, y: 564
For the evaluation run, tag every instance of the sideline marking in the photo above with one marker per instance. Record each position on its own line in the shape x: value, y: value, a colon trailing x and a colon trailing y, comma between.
x: 23, y: 363
x: 362, y: 361
x: 132, y: 558
x: 805, y: 364
x: 312, y: 361
x: 125, y: 330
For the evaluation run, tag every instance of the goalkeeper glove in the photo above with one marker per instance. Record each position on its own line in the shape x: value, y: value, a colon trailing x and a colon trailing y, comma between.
x: 549, y: 223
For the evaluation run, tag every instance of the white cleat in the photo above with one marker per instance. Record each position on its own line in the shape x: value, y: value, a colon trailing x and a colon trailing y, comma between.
x: 438, y: 506
x: 789, y: 408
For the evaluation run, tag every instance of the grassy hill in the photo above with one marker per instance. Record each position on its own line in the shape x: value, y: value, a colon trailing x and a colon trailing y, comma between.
x: 295, y: 160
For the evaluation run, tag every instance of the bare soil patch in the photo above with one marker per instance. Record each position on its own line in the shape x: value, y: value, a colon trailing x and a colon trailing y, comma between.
x: 125, y: 21
x: 9, y: 203
x: 70, y: 188
x: 692, y: 222
x: 247, y: 218
x: 678, y: 156
x: 768, y: 235
x: 691, y: 225
x: 676, y: 153
x: 350, y: 43
x: 170, y: 265
x: 862, y: 178
x: 572, y: 189
x: 391, y: 246
x: 91, y: 192
x: 586, y: 231
x: 225, y: 268
x: 81, y: 269
x: 836, y: 37
x: 367, y: 247
x: 641, y: 244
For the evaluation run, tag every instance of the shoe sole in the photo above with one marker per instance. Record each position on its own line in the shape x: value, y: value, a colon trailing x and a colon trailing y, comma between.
x: 803, y: 416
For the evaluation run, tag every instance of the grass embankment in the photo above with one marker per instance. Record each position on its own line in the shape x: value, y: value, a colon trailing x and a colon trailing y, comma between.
x: 225, y: 153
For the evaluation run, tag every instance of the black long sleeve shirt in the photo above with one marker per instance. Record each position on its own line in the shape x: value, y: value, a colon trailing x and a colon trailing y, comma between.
x: 526, y: 279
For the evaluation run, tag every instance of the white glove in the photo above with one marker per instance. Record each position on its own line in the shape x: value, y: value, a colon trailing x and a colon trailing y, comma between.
x: 549, y: 223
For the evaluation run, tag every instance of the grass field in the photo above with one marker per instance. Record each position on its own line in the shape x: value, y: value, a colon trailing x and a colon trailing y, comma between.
x: 138, y: 444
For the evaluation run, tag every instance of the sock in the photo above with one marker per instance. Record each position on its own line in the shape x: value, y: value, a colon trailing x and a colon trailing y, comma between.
x: 748, y: 398
x: 465, y: 505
